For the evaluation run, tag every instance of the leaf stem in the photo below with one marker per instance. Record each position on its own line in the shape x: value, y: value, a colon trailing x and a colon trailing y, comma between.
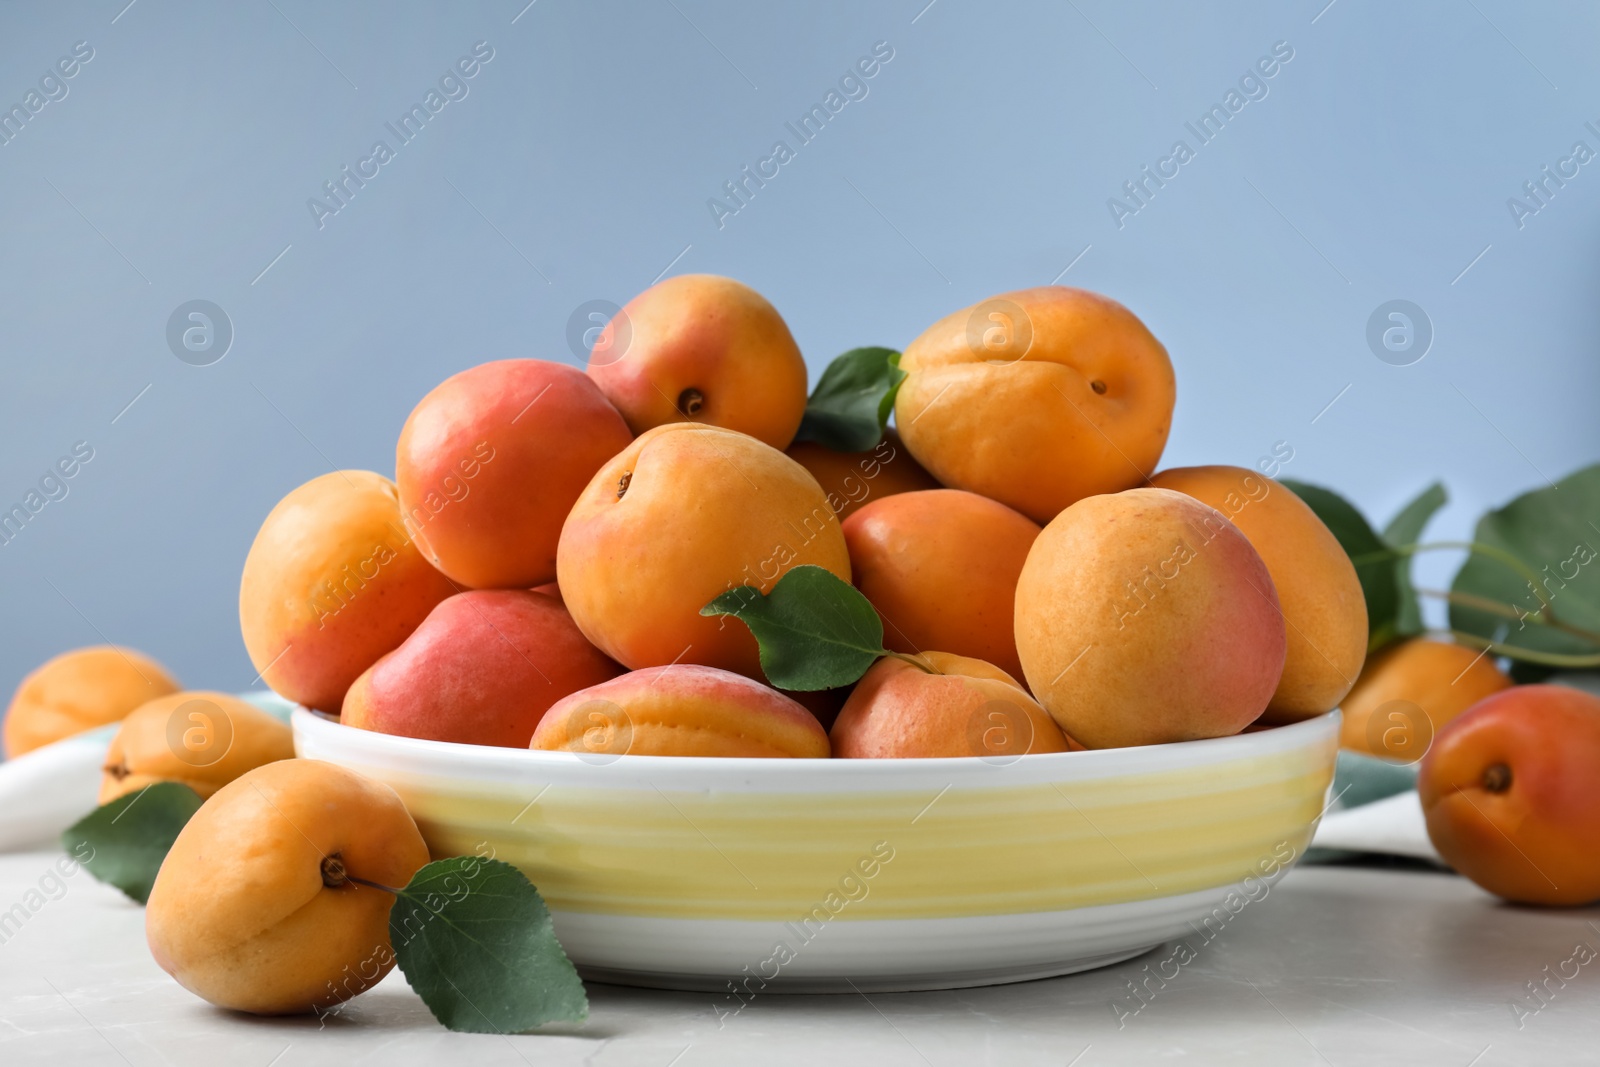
x: 1505, y: 611
x: 1527, y: 655
x: 1500, y: 555
x: 916, y: 660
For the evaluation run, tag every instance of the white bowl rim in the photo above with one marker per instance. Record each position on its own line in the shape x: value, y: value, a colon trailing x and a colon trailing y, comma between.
x: 416, y: 756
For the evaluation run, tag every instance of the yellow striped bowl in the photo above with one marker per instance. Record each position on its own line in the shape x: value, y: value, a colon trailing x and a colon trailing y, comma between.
x: 743, y: 876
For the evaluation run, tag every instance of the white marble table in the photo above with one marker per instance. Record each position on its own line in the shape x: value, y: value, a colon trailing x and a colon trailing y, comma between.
x: 1335, y: 966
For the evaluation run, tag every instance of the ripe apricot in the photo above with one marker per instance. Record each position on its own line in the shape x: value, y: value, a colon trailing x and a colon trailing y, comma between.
x: 681, y: 710
x: 1037, y: 398
x: 1145, y: 617
x: 968, y: 708
x: 852, y: 479
x: 480, y: 670
x: 490, y: 461
x: 201, y: 739
x: 1511, y: 797
x: 1324, y: 610
x: 706, y: 349
x: 682, y: 515
x: 331, y: 583
x: 941, y: 567
x: 79, y: 690
x: 1409, y: 691
x: 256, y: 907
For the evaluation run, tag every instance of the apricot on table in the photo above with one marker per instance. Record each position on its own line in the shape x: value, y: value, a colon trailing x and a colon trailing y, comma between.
x: 1145, y: 617
x: 941, y: 567
x: 331, y: 583
x: 259, y: 904
x: 1037, y: 399
x: 201, y: 739
x: 968, y: 708
x: 1409, y: 691
x: 1324, y: 609
x: 1511, y: 797
x: 852, y: 479
x: 490, y: 462
x: 78, y: 691
x: 683, y: 514
x: 706, y: 349
x: 481, y: 670
x: 681, y: 710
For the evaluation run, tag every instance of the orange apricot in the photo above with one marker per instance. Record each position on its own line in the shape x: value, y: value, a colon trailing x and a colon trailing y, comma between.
x: 490, y: 462
x: 1037, y: 398
x: 1324, y: 610
x: 1511, y: 798
x: 1145, y: 617
x: 705, y: 349
x: 257, y: 907
x: 203, y: 740
x: 967, y: 708
x: 78, y: 691
x: 683, y: 514
x: 681, y: 710
x: 1409, y: 691
x: 852, y: 479
x: 941, y: 567
x: 331, y: 583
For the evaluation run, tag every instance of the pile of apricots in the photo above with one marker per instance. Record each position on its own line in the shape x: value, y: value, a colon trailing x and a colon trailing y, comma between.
x: 534, y: 575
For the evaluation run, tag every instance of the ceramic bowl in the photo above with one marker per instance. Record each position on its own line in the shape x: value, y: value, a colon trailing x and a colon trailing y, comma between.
x: 744, y: 875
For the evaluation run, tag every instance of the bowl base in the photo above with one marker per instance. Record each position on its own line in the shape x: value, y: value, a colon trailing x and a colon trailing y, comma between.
x: 887, y: 982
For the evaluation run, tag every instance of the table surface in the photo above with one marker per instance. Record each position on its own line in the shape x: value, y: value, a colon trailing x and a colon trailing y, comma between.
x: 1336, y: 965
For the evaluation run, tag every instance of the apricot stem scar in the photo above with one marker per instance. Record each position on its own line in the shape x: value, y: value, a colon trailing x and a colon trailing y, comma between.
x: 690, y: 401
x: 1098, y: 386
x: 1497, y: 778
x: 334, y: 875
x: 622, y: 483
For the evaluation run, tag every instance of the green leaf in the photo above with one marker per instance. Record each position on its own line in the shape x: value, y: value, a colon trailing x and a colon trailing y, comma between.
x: 815, y: 630
x: 1554, y: 533
x: 849, y: 409
x: 475, y: 941
x: 1403, y: 531
x: 1374, y: 560
x: 126, y: 840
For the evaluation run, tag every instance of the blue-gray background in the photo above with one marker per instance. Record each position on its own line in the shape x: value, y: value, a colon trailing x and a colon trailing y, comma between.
x: 179, y: 164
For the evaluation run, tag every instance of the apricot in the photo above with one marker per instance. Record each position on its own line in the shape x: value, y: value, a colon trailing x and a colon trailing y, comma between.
x: 1324, y: 610
x: 682, y: 515
x: 490, y: 462
x: 201, y: 739
x: 259, y: 904
x: 480, y: 670
x: 852, y: 479
x: 681, y: 710
x: 1037, y: 399
x: 941, y: 567
x: 1511, y: 797
x: 331, y: 583
x: 1409, y: 691
x: 706, y: 349
x: 78, y: 691
x: 1145, y: 617
x: 968, y: 708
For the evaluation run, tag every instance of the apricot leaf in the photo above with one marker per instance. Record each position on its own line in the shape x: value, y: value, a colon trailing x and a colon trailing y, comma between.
x: 1554, y: 533
x: 1375, y: 561
x: 815, y: 630
x: 475, y: 941
x: 849, y: 409
x: 1403, y: 531
x: 123, y: 843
